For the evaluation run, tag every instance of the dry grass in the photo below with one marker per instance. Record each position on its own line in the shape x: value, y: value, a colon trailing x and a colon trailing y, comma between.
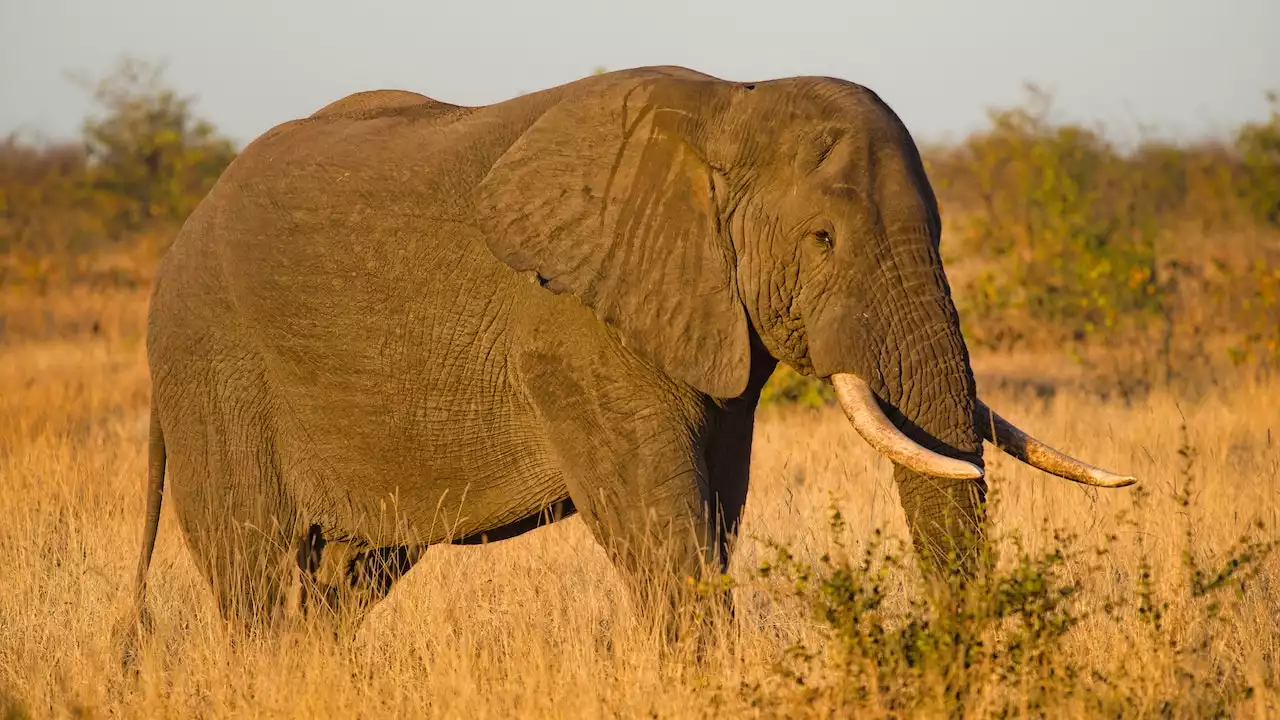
x: 539, y: 626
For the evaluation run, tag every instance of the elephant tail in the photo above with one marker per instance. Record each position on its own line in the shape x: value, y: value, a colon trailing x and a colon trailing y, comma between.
x: 138, y: 620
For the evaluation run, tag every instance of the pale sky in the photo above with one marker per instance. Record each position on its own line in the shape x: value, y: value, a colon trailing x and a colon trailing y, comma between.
x: 1186, y: 68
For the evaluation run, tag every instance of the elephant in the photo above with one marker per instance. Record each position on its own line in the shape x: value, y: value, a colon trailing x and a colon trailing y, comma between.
x: 400, y: 322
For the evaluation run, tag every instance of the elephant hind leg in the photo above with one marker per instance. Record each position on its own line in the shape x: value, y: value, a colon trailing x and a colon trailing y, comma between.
x: 244, y: 564
x: 225, y: 474
x: 341, y: 580
x: 249, y: 577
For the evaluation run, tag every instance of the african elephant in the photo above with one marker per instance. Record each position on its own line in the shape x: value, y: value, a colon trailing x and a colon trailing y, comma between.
x: 400, y: 322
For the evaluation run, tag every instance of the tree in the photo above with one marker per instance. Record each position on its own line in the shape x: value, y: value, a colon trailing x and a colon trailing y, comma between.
x: 147, y: 149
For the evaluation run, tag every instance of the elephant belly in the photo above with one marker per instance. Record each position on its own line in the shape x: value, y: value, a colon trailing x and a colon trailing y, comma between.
x: 413, y: 425
x: 453, y: 473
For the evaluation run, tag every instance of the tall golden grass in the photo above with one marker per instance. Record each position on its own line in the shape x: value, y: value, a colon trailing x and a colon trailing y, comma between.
x: 540, y: 626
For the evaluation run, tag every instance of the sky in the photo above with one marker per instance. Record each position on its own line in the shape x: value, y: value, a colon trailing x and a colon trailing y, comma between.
x: 1173, y: 68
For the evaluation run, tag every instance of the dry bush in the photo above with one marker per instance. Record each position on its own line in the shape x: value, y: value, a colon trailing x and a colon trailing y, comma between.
x: 1056, y: 236
x: 540, y: 625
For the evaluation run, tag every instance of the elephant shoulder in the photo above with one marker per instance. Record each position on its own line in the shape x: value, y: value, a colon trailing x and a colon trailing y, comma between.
x: 376, y: 101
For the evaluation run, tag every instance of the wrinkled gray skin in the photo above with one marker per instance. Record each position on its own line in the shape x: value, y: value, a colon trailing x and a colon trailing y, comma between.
x: 400, y: 322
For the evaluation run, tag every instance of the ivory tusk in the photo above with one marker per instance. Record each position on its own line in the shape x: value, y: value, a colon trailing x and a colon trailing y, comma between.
x: 862, y: 409
x: 1031, y: 451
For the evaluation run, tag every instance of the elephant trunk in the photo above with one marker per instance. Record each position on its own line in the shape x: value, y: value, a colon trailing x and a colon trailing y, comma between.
x: 916, y: 403
x: 901, y: 371
x: 930, y: 394
x: 942, y: 494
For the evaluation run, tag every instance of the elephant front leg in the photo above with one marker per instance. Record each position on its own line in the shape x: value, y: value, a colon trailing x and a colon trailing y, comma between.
x: 645, y: 497
x: 632, y: 454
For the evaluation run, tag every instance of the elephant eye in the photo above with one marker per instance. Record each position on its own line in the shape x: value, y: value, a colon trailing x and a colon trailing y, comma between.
x: 824, y: 238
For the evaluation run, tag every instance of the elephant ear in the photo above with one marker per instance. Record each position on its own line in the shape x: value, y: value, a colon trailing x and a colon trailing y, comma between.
x: 606, y: 198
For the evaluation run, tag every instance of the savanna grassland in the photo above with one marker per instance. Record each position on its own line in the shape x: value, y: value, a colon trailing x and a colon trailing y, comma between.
x: 1122, y: 306
x: 539, y: 625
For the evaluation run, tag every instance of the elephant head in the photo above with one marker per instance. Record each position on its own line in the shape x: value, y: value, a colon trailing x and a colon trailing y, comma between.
x: 692, y: 214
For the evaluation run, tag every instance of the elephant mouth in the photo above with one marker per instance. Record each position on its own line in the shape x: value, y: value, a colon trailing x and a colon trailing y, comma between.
x: 861, y: 407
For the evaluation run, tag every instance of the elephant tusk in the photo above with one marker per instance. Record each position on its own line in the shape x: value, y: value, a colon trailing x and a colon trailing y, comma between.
x: 1031, y: 451
x: 863, y: 410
